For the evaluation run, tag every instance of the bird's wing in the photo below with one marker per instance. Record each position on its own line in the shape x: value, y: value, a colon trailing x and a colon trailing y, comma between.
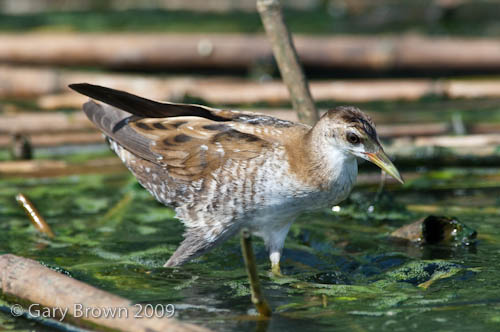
x: 189, y: 140
x: 192, y: 147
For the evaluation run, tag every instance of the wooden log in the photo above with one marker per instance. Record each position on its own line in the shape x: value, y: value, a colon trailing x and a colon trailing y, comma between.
x: 54, y: 168
x: 412, y: 130
x: 17, y: 7
x: 483, y: 128
x: 228, y: 92
x: 44, y: 123
x: 242, y: 51
x: 31, y: 282
x: 57, y: 139
x: 22, y: 82
x: 465, y: 141
x: 472, y: 88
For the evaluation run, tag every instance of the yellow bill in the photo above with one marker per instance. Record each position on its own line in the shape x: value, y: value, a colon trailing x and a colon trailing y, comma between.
x: 381, y: 160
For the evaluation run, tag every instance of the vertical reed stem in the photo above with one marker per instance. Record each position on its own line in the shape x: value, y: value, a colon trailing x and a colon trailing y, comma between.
x: 257, y: 297
x: 287, y: 59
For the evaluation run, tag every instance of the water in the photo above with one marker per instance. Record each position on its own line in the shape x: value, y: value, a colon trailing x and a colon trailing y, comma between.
x: 343, y: 272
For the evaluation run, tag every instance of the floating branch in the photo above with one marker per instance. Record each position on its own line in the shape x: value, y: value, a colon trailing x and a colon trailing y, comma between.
x: 29, y: 281
x: 257, y: 297
x: 35, y: 217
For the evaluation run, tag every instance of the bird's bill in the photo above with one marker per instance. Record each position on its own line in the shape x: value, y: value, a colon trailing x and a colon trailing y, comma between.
x: 381, y: 160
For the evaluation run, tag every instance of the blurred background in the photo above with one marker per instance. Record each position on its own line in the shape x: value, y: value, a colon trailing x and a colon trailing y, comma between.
x: 427, y: 72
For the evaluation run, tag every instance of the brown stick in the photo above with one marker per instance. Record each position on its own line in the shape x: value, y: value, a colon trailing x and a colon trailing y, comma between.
x: 31, y: 282
x: 288, y: 62
x: 257, y: 297
x: 35, y: 217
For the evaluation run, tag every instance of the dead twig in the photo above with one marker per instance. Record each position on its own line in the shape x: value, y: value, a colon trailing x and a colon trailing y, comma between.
x: 35, y: 217
x: 288, y: 62
x: 257, y: 297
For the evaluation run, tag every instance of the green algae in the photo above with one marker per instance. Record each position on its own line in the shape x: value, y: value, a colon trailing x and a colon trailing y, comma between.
x: 420, y: 272
x: 337, y: 264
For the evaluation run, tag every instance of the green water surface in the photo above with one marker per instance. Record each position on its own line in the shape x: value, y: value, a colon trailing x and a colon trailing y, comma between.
x: 342, y: 270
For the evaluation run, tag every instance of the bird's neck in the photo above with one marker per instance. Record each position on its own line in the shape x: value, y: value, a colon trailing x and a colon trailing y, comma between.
x: 322, y: 165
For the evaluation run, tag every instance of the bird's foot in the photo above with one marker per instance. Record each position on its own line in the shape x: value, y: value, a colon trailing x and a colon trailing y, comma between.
x: 276, y: 271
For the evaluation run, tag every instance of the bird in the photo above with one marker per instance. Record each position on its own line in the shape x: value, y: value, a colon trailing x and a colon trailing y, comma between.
x: 225, y: 170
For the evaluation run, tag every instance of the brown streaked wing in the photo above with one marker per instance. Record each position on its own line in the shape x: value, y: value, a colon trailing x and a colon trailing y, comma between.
x: 192, y: 147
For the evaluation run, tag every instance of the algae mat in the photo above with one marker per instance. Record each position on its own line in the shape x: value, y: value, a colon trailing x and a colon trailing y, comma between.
x: 343, y: 272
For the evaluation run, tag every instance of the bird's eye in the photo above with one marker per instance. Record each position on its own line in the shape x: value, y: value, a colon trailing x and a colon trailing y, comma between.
x: 352, y: 138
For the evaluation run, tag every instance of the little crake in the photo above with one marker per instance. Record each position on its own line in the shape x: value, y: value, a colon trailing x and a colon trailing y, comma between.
x: 224, y: 170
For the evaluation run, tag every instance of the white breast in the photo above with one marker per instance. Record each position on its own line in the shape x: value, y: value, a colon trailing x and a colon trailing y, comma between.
x: 285, y: 196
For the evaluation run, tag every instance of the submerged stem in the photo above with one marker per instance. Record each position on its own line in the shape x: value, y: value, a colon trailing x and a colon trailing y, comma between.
x: 257, y: 297
x: 35, y: 216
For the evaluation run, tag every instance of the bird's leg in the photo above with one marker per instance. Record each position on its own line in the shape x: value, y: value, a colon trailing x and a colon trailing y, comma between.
x: 274, y: 238
x: 275, y: 263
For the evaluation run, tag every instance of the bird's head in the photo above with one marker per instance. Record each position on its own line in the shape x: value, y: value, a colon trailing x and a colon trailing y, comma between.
x: 351, y: 131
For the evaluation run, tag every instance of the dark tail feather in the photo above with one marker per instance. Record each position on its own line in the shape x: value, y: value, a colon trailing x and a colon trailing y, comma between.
x: 123, y: 100
x: 141, y: 106
x: 114, y: 123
